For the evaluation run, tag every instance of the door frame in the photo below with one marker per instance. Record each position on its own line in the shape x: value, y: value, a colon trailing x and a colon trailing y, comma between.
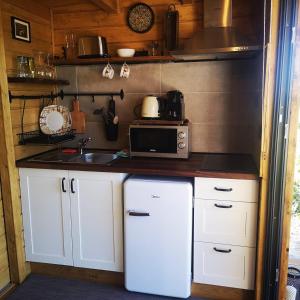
x: 290, y: 167
x: 279, y: 150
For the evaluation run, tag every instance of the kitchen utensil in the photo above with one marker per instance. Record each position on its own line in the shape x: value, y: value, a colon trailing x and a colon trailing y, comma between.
x: 116, y: 120
x: 108, y: 71
x: 112, y: 107
x: 92, y: 46
x: 55, y: 119
x: 78, y: 117
x: 150, y: 107
x: 126, y: 52
x: 101, y: 112
x: 125, y: 71
x: 172, y: 28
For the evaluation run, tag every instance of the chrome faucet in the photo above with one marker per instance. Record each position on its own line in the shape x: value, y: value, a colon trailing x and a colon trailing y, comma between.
x: 82, y: 144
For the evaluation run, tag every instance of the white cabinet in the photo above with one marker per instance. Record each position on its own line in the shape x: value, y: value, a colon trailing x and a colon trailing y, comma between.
x: 73, y: 218
x: 225, y: 218
x: 226, y: 189
x: 96, y: 204
x: 46, y: 217
x: 224, y: 265
x: 225, y: 222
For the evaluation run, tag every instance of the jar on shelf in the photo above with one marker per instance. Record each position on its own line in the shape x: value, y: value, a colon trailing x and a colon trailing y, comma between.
x: 31, y: 67
x: 22, y: 66
x: 40, y: 66
x: 50, y: 71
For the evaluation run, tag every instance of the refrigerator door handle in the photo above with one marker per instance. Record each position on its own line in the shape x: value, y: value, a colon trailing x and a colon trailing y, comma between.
x: 138, y: 214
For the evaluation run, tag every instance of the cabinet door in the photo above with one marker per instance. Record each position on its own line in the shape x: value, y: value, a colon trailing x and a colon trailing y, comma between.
x: 46, y: 216
x: 96, y: 205
x: 225, y: 222
x: 224, y: 265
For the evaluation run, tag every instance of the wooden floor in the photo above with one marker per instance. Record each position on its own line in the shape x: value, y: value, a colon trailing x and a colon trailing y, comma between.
x: 38, y: 287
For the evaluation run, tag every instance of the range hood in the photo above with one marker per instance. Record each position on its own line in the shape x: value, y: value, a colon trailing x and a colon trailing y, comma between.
x: 218, y: 39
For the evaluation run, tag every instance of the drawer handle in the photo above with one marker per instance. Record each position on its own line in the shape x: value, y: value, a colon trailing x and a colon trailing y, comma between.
x: 138, y: 214
x: 223, y: 206
x: 222, y: 250
x: 72, y: 186
x: 63, y: 185
x: 223, y: 190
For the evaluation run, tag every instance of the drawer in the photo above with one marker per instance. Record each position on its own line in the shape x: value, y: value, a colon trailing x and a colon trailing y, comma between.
x: 226, y: 189
x: 229, y: 266
x: 225, y: 222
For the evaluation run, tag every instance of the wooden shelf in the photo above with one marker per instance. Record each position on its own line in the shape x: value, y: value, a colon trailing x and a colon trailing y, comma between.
x: 115, y: 60
x: 37, y: 80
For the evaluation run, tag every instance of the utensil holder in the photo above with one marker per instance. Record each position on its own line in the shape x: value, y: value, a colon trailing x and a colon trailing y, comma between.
x: 111, y: 131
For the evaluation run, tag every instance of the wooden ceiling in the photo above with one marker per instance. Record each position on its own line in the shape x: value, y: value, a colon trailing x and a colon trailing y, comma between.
x: 110, y: 6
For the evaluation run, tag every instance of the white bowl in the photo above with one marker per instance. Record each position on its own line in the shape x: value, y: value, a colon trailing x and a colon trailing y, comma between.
x: 126, y: 52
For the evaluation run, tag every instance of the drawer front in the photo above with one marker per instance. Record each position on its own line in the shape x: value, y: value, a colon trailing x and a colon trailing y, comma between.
x: 226, y: 189
x: 225, y: 222
x: 229, y: 266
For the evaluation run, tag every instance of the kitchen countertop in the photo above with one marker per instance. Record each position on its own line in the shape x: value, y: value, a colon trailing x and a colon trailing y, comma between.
x: 232, y: 166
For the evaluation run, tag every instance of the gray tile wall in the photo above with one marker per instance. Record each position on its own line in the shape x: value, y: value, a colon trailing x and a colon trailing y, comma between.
x: 222, y: 100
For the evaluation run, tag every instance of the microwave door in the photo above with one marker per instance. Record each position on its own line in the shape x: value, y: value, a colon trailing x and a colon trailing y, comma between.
x: 155, y: 140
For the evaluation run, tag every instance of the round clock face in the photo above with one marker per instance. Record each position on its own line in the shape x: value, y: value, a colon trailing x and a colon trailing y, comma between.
x: 140, y: 18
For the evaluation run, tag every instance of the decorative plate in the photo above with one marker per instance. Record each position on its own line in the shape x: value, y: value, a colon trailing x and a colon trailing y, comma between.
x: 55, y: 119
x: 140, y: 17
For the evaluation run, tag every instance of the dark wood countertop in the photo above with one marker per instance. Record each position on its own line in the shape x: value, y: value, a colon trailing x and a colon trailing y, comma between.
x: 233, y: 166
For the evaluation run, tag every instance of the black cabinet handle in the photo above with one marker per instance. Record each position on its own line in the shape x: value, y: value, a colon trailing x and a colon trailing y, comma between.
x: 63, y: 185
x: 223, y: 190
x: 223, y: 206
x: 138, y: 214
x: 222, y: 250
x: 72, y: 186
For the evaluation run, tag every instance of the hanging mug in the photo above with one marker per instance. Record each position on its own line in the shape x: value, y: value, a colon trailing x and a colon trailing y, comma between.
x: 108, y: 71
x: 125, y: 71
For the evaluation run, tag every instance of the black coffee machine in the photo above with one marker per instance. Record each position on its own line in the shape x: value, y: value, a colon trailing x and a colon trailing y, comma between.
x: 174, y: 106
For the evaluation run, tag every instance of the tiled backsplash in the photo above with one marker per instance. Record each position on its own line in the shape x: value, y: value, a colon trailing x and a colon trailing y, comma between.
x: 222, y: 100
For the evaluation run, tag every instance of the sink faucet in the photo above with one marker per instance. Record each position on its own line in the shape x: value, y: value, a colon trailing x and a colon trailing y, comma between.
x: 82, y: 144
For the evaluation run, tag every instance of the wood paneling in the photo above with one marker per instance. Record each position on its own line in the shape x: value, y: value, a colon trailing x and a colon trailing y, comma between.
x: 83, y: 19
x: 4, y: 267
x: 41, y: 35
x: 10, y: 118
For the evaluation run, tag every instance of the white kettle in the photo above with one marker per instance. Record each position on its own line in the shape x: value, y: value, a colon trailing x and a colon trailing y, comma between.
x: 150, y: 108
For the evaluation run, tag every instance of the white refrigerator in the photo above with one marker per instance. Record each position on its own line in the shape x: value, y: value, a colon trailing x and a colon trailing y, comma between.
x: 158, y: 235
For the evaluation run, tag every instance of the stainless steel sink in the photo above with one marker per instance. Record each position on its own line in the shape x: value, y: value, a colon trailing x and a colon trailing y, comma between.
x: 91, y: 158
x: 94, y: 157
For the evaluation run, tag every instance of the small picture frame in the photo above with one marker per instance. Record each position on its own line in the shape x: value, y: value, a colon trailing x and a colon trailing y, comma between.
x: 20, y: 30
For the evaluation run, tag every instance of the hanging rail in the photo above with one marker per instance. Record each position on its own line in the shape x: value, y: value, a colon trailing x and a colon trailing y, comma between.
x: 62, y: 94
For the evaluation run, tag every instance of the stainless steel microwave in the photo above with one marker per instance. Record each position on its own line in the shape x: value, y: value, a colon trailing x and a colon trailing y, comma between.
x: 159, y: 141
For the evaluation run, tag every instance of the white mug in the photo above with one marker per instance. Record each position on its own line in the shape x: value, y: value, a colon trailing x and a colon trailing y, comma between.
x: 125, y: 71
x: 108, y: 71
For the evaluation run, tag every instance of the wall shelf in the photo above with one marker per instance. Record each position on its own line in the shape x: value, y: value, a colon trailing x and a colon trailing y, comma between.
x: 114, y: 60
x: 12, y: 79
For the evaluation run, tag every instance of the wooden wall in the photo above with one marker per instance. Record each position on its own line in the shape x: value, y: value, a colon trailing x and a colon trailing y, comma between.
x: 41, y: 35
x: 83, y: 18
x: 4, y: 269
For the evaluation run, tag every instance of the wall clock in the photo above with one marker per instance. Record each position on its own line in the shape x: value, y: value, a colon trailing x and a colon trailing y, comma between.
x: 140, y: 17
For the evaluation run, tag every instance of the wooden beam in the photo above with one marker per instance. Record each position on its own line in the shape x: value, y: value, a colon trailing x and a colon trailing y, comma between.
x: 9, y: 178
x: 110, y: 6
